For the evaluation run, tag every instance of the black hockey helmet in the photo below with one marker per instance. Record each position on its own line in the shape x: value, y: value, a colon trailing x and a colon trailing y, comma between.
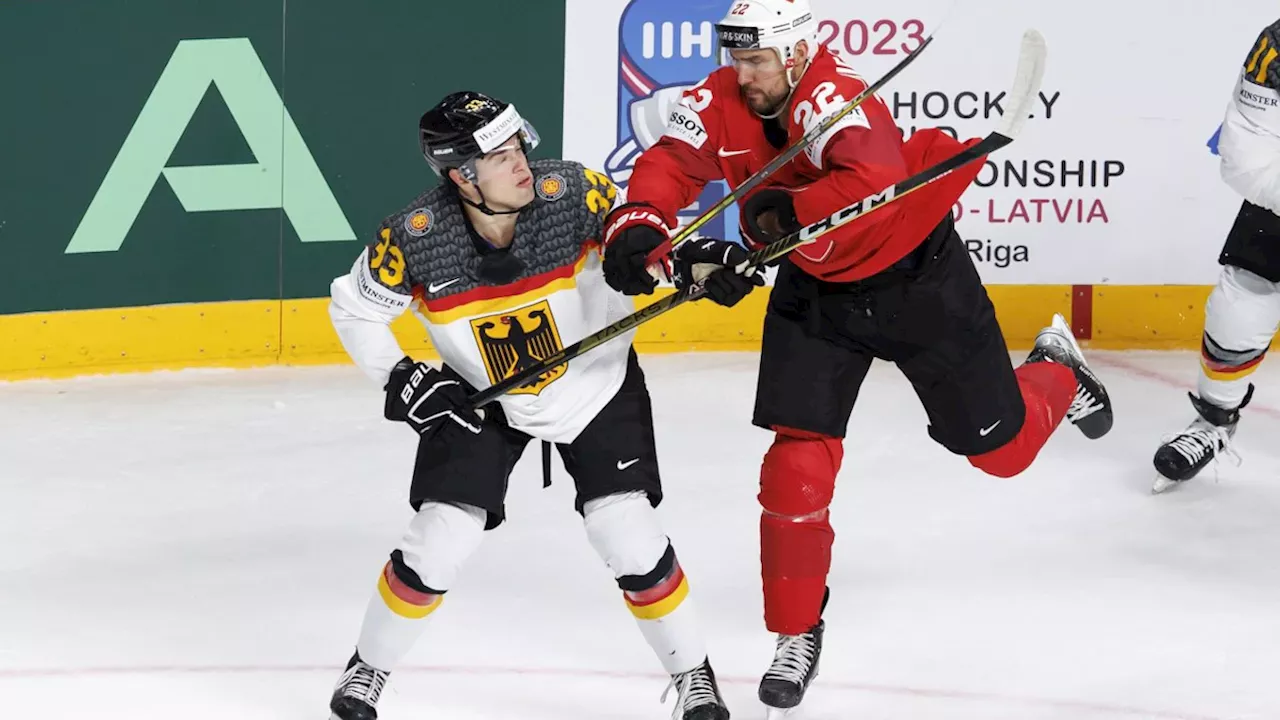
x: 466, y: 125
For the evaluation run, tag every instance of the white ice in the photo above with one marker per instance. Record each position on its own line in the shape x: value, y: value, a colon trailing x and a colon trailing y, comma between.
x: 183, y: 546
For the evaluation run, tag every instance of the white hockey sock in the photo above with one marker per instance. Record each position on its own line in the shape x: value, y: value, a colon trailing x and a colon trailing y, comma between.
x: 1226, y: 394
x: 395, y: 619
x: 412, y: 585
x: 1241, y: 317
x: 624, y: 530
x: 669, y: 624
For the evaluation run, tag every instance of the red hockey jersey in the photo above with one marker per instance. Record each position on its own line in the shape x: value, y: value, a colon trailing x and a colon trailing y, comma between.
x: 713, y: 134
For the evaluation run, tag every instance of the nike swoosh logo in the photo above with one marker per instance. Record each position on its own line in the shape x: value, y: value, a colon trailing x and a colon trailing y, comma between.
x: 627, y: 464
x: 731, y: 153
x: 434, y: 288
x: 987, y: 431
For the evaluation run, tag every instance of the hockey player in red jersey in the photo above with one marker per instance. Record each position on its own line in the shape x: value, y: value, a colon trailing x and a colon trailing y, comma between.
x: 897, y: 284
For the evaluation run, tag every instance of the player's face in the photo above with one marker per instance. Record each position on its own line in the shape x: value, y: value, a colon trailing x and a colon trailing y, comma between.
x: 504, y: 176
x: 762, y: 79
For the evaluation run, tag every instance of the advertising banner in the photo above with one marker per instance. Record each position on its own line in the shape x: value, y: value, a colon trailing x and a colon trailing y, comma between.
x: 176, y: 151
x: 1113, y: 182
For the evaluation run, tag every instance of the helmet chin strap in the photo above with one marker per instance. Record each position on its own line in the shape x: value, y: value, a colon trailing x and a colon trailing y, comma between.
x: 781, y: 106
x: 483, y: 207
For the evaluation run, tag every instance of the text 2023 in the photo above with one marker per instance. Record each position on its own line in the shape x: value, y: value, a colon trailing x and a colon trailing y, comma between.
x: 879, y: 37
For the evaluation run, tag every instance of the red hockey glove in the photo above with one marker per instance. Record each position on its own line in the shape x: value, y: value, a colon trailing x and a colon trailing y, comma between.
x: 637, y: 247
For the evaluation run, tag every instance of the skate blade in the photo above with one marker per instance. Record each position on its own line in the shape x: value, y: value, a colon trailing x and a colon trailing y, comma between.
x: 779, y: 713
x: 1163, y: 485
x: 1059, y: 323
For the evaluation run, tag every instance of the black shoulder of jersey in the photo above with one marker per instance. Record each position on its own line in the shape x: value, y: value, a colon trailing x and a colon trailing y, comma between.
x: 551, y: 165
x: 554, y: 182
x: 553, y: 179
x: 590, y: 189
x: 416, y: 218
x: 1261, y: 66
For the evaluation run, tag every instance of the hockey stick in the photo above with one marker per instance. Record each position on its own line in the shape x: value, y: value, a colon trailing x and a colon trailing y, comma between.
x: 786, y: 156
x: 1026, y: 84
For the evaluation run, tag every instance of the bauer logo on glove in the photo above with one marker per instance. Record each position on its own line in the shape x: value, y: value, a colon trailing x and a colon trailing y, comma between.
x: 425, y: 398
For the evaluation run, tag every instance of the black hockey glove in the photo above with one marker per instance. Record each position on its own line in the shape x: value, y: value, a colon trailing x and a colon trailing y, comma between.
x: 633, y: 232
x: 768, y: 216
x: 717, y: 261
x: 426, y: 399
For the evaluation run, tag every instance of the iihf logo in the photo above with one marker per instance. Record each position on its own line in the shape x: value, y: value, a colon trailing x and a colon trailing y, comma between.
x: 664, y: 47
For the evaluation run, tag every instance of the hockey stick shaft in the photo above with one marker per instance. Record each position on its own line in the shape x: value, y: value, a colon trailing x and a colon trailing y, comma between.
x: 785, y: 156
x: 766, y: 254
x: 1023, y: 93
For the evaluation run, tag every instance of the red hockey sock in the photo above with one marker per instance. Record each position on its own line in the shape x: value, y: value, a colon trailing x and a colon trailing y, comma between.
x: 1047, y: 391
x: 795, y: 557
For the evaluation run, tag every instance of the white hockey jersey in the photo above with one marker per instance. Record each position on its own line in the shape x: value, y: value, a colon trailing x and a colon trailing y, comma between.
x: 425, y: 259
x: 1250, y: 140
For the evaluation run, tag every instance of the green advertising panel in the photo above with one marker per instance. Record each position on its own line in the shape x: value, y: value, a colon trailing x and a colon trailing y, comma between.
x: 169, y: 151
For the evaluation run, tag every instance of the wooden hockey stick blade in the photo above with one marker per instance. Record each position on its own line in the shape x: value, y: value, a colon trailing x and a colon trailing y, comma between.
x: 1022, y: 94
x: 787, y: 155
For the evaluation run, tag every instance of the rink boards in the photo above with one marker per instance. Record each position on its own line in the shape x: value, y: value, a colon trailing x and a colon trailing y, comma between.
x: 298, y: 332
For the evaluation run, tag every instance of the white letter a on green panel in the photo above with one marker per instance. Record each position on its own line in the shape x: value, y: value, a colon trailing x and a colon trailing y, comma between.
x: 285, y: 176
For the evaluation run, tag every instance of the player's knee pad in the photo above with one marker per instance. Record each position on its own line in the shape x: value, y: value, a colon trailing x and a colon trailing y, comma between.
x: 439, y: 540
x: 624, y: 529
x: 798, y: 476
x: 625, y: 532
x: 1241, y: 317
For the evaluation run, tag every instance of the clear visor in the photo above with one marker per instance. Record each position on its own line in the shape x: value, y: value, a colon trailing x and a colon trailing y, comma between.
x: 761, y: 64
x: 498, y: 130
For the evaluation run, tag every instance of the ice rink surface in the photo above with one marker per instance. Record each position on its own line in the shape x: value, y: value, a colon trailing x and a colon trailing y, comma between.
x: 183, y: 546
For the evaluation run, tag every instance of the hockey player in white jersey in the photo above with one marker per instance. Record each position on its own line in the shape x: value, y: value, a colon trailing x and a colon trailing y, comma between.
x: 1243, y: 312
x: 502, y: 264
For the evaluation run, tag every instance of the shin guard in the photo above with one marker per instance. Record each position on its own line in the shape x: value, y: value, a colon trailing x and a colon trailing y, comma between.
x: 797, y: 481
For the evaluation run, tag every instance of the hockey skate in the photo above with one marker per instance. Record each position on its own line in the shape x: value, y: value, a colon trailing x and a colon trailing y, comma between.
x: 697, y: 695
x: 795, y: 665
x: 1091, y: 408
x: 1184, y: 454
x: 357, y: 692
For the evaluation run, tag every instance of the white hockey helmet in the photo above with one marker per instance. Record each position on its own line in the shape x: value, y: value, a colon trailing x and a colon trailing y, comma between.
x: 779, y: 25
